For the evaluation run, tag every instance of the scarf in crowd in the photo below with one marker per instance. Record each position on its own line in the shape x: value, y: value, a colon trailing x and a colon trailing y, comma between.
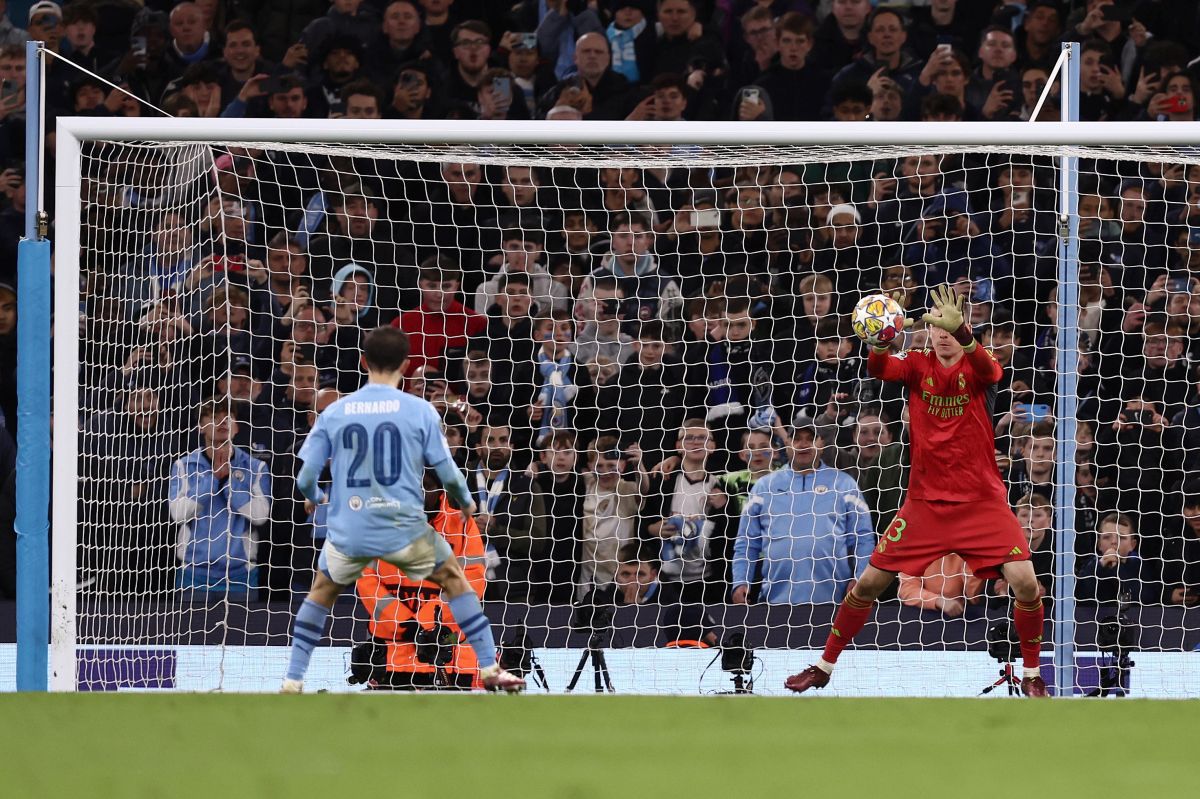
x: 557, y: 393
x: 624, y: 60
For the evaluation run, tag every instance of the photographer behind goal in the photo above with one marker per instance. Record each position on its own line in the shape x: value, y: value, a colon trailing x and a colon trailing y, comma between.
x: 636, y: 583
x: 415, y: 642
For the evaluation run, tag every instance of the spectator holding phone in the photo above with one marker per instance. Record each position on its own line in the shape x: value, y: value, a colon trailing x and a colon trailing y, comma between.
x: 596, y: 89
x: 1177, y: 103
x: 610, y: 514
x: 886, y: 57
x: 994, y: 88
x: 1102, y: 92
x: 412, y: 97
x: 498, y: 96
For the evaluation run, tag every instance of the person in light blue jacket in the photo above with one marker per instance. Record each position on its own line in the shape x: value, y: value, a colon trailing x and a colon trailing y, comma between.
x: 218, y: 493
x: 809, y: 527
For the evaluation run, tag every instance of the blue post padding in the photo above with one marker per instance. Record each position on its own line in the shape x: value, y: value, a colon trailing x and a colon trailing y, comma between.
x: 33, y: 464
x: 1067, y: 403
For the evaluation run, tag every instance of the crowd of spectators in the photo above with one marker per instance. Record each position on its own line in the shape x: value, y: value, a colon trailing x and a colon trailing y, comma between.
x: 620, y: 354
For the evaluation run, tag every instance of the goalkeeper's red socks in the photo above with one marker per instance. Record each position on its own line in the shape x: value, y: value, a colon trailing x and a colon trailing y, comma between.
x: 852, y: 615
x: 1028, y: 618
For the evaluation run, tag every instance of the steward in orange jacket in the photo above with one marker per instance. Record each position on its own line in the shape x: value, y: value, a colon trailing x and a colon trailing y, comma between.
x: 416, y: 642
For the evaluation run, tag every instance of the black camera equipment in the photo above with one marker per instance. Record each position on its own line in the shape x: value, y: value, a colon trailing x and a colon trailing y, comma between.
x: 435, y: 645
x: 516, y: 656
x: 1115, y: 637
x: 1005, y: 647
x: 738, y: 661
x: 596, y: 619
x: 368, y: 661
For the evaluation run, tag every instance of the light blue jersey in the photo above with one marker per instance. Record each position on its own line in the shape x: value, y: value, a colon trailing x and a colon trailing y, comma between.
x: 379, y: 441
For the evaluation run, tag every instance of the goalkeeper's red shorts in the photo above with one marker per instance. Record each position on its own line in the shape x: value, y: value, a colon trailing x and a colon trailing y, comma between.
x: 984, y: 533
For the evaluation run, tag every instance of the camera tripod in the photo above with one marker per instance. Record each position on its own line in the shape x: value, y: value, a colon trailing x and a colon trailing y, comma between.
x: 595, y: 653
x: 1008, y: 678
x: 1114, y: 678
x: 516, y: 656
x: 742, y: 684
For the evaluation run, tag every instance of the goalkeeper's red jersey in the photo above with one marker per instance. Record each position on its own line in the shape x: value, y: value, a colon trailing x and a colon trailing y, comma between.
x: 950, y: 419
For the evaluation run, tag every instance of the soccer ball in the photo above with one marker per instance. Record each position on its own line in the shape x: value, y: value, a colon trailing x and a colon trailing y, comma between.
x: 877, y: 319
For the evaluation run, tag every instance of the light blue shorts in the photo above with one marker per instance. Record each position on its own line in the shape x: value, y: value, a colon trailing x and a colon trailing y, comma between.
x: 418, y: 560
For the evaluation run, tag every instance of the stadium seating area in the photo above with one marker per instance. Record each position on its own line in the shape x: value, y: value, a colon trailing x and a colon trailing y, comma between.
x: 619, y: 353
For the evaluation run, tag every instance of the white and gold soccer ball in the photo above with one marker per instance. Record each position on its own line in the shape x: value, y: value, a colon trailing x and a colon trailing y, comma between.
x: 877, y: 319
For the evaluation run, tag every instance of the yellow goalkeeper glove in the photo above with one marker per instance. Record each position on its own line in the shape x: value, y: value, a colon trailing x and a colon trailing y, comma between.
x: 946, y: 312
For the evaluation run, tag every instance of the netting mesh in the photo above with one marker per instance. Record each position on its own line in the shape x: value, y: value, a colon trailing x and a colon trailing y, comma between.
x: 619, y: 340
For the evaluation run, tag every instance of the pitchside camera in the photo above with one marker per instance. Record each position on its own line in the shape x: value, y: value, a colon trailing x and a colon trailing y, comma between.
x: 1002, y: 642
x: 1116, y: 634
x: 735, y: 657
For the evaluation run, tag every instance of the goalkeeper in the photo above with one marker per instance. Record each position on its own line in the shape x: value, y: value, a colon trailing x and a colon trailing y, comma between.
x: 379, y: 441
x: 956, y: 502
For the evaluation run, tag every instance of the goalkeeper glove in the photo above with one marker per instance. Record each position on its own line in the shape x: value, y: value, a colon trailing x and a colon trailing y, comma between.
x: 947, y: 313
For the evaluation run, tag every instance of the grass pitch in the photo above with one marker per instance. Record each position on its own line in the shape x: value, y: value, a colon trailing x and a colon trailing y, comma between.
x: 218, y: 746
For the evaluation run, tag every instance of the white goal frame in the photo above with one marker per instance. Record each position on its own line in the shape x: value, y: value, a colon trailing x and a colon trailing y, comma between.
x: 1069, y: 140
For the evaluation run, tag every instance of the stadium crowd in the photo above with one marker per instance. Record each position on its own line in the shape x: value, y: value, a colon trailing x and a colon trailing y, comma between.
x: 619, y: 354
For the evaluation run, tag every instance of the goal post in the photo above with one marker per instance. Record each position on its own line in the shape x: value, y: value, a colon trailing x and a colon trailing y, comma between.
x: 1052, y: 149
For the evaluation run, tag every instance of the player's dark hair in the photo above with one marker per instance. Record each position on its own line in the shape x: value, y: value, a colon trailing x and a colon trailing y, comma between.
x: 385, y: 349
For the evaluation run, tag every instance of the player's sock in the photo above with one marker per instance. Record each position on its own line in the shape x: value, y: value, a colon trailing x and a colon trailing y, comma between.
x: 850, y: 618
x: 468, y: 614
x: 306, y: 634
x: 1028, y: 618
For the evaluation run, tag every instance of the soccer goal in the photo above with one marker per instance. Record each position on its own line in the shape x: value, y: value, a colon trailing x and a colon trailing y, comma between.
x: 621, y: 324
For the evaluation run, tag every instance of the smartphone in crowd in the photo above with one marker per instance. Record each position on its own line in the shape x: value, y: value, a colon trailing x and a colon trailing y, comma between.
x: 1116, y: 13
x: 706, y: 219
x: 1034, y: 412
x: 9, y: 88
x: 1176, y: 104
x: 502, y: 88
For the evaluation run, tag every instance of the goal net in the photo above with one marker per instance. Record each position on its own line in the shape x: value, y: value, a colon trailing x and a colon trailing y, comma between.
x: 622, y: 340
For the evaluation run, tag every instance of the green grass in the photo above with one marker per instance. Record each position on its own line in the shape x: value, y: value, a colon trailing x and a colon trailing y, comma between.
x: 218, y: 746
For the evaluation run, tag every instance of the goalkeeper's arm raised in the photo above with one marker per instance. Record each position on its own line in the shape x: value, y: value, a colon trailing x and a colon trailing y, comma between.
x: 946, y: 312
x: 882, y: 365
